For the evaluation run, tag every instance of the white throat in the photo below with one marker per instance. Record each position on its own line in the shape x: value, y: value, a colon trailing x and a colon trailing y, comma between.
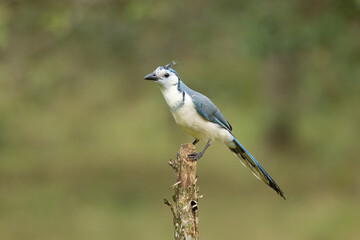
x: 173, y: 97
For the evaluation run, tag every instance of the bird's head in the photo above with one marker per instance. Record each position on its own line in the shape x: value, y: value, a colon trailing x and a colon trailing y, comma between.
x: 164, y: 76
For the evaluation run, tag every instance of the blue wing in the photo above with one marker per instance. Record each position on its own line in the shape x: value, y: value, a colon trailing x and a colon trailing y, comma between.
x: 206, y: 108
x: 209, y: 111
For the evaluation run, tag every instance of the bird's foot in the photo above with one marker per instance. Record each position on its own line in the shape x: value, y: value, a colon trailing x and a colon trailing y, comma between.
x: 195, y: 156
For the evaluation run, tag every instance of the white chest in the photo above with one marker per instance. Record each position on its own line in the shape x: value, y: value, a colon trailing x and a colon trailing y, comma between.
x: 186, y: 115
x: 184, y: 112
x: 181, y: 106
x: 173, y: 97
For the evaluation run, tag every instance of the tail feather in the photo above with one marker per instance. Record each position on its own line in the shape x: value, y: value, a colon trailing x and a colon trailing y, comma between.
x: 250, y: 162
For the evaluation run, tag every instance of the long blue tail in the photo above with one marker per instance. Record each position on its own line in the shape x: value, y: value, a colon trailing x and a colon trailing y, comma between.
x: 249, y: 161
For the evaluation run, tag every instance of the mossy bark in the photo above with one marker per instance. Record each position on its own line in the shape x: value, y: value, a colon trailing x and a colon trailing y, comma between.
x: 185, y: 205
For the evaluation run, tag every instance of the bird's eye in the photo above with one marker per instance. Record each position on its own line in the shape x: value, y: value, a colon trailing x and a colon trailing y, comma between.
x: 167, y: 75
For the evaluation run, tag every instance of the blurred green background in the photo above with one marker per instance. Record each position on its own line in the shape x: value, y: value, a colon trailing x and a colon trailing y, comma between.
x: 85, y: 141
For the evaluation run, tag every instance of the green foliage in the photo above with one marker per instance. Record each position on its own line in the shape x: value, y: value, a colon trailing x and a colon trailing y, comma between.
x: 84, y: 141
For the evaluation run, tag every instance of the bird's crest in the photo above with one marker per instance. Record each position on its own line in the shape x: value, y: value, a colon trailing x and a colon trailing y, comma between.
x: 171, y: 64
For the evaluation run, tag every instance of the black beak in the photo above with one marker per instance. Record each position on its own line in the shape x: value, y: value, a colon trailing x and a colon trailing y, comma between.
x: 151, y: 76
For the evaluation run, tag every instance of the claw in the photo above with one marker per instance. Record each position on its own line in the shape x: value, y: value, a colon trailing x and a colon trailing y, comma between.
x: 195, y: 156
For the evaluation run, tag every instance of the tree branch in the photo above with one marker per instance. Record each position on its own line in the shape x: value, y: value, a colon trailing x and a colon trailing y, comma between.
x: 185, y: 205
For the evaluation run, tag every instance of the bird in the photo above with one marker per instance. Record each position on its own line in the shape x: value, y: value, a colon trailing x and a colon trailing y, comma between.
x: 200, y: 118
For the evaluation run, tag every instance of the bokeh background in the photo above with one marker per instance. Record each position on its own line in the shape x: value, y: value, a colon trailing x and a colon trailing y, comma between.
x: 85, y: 141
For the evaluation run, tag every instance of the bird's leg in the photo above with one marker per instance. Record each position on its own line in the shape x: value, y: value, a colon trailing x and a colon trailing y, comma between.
x: 197, y: 156
x: 195, y: 141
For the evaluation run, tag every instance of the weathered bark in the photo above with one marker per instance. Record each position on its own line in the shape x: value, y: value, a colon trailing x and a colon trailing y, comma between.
x: 185, y: 205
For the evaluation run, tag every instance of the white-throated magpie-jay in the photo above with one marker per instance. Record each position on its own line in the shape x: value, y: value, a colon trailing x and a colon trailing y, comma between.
x: 199, y: 117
